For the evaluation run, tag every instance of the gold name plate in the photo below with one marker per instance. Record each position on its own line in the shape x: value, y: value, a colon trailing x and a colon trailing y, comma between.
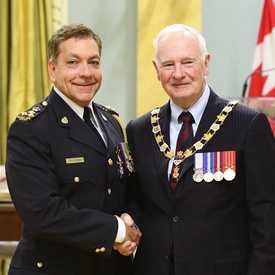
x: 74, y: 160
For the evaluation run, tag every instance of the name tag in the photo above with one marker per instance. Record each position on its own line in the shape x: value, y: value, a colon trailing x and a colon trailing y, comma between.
x: 74, y: 160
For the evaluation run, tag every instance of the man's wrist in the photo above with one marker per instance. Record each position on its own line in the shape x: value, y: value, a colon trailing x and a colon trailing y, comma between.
x: 121, y: 231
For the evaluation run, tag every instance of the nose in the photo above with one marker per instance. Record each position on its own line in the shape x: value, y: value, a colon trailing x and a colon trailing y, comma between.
x: 179, y: 71
x: 85, y: 70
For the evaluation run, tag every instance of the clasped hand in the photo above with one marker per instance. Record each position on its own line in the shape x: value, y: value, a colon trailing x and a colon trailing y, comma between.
x: 132, y: 237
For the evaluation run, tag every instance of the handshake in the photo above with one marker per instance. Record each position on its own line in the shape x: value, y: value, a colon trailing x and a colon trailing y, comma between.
x: 132, y: 237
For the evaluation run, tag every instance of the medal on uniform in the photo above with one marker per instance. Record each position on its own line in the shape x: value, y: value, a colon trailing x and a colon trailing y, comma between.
x: 120, y: 162
x: 175, y: 174
x: 198, y: 169
x: 178, y: 159
x: 169, y: 153
x: 229, y: 165
x: 126, y: 156
x: 218, y: 160
x: 208, y: 165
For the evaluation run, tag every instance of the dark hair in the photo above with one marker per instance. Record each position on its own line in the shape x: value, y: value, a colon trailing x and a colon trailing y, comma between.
x: 66, y: 32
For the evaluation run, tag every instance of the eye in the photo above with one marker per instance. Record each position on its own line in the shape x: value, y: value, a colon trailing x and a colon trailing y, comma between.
x: 95, y: 63
x: 167, y: 65
x: 72, y: 62
x: 188, y: 62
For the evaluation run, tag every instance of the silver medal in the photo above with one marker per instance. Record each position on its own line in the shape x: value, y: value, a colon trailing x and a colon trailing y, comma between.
x: 208, y: 176
x: 198, y: 177
x: 229, y: 174
x: 218, y: 176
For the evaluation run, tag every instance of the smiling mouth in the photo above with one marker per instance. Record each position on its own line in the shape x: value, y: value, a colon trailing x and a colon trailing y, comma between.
x: 180, y: 84
x: 85, y: 85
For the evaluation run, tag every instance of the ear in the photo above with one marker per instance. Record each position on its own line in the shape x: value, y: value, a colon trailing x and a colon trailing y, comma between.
x: 206, y: 64
x: 156, y: 68
x: 51, y: 70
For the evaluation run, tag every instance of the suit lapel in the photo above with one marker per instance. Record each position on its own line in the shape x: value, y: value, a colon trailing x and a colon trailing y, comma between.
x: 110, y: 131
x: 161, y: 160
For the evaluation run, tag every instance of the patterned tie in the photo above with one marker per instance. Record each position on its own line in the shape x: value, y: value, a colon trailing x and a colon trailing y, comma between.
x: 185, y: 138
x: 87, y: 119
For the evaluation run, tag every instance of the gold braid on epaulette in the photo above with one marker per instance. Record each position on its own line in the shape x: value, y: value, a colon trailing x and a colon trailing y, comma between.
x: 114, y: 113
x: 33, y: 112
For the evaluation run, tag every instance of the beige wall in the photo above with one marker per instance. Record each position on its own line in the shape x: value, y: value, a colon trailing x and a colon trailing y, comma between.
x: 230, y: 29
x: 115, y: 22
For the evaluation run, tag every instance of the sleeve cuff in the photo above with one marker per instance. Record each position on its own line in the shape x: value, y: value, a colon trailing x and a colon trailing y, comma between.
x: 121, y: 231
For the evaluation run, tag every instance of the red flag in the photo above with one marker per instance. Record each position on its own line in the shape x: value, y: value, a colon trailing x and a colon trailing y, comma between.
x: 262, y: 84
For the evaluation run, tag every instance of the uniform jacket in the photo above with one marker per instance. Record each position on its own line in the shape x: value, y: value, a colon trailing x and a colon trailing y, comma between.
x: 66, y: 188
x: 216, y: 228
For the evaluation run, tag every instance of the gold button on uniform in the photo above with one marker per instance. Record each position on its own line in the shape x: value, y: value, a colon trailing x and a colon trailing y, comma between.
x: 110, y: 161
x: 76, y: 179
x: 102, y: 249
x: 109, y: 191
x: 64, y: 120
x: 39, y: 264
x: 45, y: 103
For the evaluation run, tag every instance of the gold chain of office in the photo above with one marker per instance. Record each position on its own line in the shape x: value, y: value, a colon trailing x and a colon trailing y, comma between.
x: 163, y: 146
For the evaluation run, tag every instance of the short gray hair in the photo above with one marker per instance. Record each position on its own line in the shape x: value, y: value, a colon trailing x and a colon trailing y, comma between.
x: 180, y: 28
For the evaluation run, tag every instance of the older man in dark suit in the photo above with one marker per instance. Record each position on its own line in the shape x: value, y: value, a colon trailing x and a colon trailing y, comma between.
x: 207, y: 207
x: 67, y: 175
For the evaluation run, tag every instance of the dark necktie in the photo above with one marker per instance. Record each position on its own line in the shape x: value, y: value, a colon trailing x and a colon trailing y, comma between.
x: 87, y: 119
x: 185, y: 138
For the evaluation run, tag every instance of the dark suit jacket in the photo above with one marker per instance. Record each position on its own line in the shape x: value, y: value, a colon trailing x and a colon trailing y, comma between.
x: 220, y: 228
x: 66, y: 189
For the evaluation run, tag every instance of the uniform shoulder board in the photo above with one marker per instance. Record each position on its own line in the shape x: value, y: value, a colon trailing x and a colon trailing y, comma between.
x: 33, y: 112
x: 108, y: 109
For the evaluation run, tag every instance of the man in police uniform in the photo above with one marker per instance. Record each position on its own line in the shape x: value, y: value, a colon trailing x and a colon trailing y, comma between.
x: 67, y: 177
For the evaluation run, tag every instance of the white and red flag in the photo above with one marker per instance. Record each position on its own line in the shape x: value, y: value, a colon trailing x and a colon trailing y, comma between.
x: 262, y: 82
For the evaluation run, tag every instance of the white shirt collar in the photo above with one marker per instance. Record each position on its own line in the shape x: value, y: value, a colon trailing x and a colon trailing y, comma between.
x: 76, y: 108
x: 196, y: 110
